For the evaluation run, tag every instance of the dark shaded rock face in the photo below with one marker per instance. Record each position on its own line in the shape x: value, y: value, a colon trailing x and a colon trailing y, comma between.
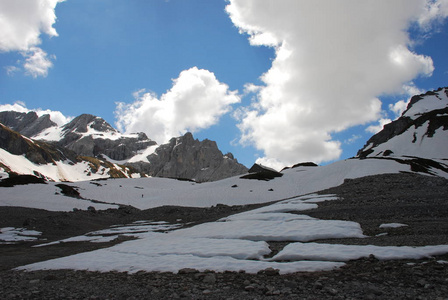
x: 36, y: 152
x: 420, y: 127
x: 185, y: 157
x: 260, y: 172
x: 28, y: 124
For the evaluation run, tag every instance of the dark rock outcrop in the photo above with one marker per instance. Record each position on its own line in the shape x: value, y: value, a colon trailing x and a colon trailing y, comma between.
x: 28, y: 124
x: 260, y: 172
x: 35, y: 151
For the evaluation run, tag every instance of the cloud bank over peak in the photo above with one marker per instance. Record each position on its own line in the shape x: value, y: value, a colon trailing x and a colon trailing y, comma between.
x: 333, y: 60
x: 196, y: 101
x: 22, y: 22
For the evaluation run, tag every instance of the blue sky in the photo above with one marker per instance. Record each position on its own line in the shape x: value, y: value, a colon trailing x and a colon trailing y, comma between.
x: 323, y: 86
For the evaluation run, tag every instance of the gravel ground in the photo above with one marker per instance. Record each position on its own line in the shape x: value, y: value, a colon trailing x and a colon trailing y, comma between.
x: 418, y: 201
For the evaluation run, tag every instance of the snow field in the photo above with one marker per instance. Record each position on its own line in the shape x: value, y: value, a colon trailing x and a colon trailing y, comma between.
x: 145, y: 193
x: 237, y: 243
x: 45, y: 196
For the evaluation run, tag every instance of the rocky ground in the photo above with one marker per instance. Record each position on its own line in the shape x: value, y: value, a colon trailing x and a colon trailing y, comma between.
x: 418, y: 201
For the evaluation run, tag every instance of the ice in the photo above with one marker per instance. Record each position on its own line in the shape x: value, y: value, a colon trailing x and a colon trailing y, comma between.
x: 336, y: 252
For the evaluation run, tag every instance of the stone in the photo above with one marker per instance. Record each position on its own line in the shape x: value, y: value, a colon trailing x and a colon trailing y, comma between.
x: 209, y: 278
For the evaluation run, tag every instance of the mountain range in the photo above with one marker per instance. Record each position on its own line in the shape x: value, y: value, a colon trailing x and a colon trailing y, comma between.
x: 88, y: 147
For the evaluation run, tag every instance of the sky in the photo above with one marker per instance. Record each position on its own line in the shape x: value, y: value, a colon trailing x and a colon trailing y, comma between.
x: 274, y: 82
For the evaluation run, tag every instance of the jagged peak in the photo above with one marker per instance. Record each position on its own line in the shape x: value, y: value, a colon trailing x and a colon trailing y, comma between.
x: 433, y: 100
x: 83, y: 122
x: 421, y: 131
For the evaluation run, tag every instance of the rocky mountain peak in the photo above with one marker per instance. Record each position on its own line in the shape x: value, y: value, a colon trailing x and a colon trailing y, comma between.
x: 186, y: 157
x: 84, y: 122
x: 28, y: 124
x: 421, y: 130
x: 427, y: 102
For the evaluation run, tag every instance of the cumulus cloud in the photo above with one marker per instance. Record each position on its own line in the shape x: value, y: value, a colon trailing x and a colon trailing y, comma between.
x: 56, y: 116
x: 37, y: 62
x: 22, y: 22
x: 333, y: 60
x: 195, y: 101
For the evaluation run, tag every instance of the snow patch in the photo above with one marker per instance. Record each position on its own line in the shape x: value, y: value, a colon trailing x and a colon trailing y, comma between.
x: 336, y: 252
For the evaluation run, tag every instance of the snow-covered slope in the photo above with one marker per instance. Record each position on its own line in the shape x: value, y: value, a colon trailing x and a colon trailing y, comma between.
x: 146, y: 193
x: 421, y: 131
x: 22, y: 155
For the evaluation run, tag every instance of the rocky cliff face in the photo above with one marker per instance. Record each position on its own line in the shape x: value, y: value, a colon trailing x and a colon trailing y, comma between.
x: 36, y: 152
x: 421, y: 131
x: 28, y: 124
x: 89, y: 135
x: 189, y: 158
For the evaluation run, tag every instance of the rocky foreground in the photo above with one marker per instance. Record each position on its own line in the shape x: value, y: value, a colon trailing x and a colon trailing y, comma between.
x: 418, y: 201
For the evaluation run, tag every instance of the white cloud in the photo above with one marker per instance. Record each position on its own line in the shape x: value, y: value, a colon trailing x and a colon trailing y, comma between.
x: 11, y: 70
x: 37, y: 62
x: 435, y: 10
x: 196, y: 101
x: 333, y: 60
x: 398, y: 107
x: 56, y: 116
x: 22, y: 22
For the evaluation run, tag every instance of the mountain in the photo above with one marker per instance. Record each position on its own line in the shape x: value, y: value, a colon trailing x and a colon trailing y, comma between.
x: 22, y: 155
x: 91, y: 136
x: 189, y: 158
x: 421, y: 130
x: 28, y: 124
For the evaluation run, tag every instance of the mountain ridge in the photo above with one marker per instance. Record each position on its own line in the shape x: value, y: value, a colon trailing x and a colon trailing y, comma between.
x: 91, y: 136
x: 420, y: 131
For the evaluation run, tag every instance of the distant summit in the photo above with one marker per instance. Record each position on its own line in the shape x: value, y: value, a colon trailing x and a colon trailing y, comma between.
x: 28, y: 124
x: 189, y: 158
x: 91, y: 136
x: 421, y: 130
